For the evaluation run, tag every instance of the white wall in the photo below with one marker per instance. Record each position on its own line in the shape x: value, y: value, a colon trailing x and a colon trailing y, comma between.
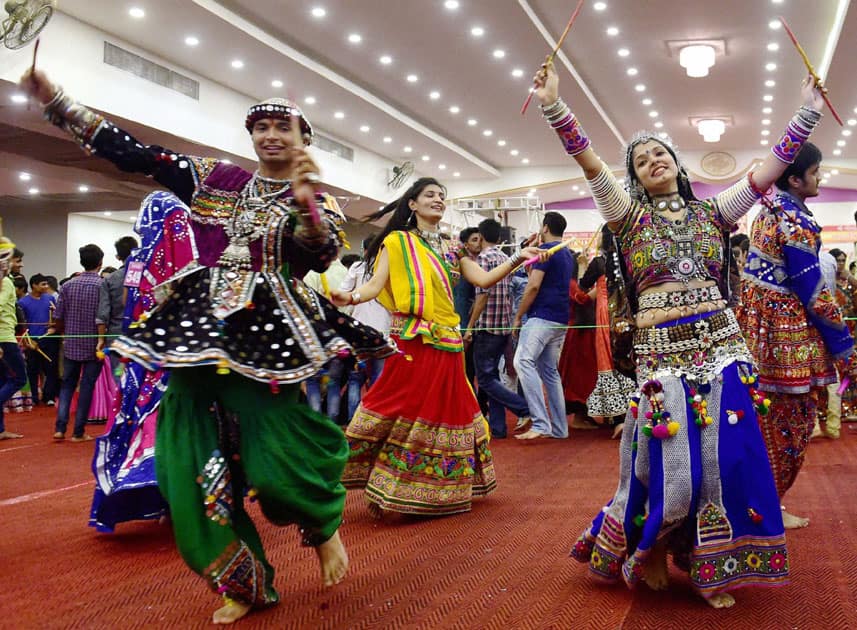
x: 42, y: 238
x: 83, y: 230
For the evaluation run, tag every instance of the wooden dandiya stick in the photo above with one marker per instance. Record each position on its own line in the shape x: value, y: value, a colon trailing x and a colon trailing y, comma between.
x: 553, y: 53
x: 818, y: 83
x: 33, y: 66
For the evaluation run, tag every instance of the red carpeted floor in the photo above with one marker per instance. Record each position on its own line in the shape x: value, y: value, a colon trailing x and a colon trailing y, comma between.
x: 504, y: 565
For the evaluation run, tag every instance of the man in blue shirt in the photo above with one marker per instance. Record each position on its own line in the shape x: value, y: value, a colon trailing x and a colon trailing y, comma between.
x: 546, y: 305
x: 38, y: 306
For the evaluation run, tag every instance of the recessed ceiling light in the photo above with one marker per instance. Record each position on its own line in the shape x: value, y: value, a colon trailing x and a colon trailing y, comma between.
x: 514, y: 152
x: 472, y: 122
x: 136, y: 13
x: 632, y: 72
x: 837, y: 151
x: 852, y: 122
x: 454, y: 109
x: 412, y: 78
x: 19, y: 98
x: 770, y: 83
x: 664, y: 135
x: 407, y: 149
x: 767, y: 98
x: 517, y: 73
x: 456, y: 174
x: 612, y: 31
x: 766, y: 121
x: 132, y: 219
x: 653, y: 114
x: 477, y: 31
x: 441, y: 167
x: 309, y: 100
x: 488, y: 133
x: 834, y: 171
x: 318, y: 12
x: 237, y: 64
x: 83, y: 188
x: 623, y: 52
x: 640, y: 87
x: 339, y: 115
x: 777, y: 1
x: 355, y: 38
x: 365, y: 128
x: 599, y: 6
x: 764, y: 143
x: 766, y: 132
x: 387, y: 139
x: 276, y: 83
x: 659, y: 124
x: 774, y: 25
x: 773, y: 46
x: 190, y: 40
x: 33, y: 191
x: 385, y: 59
x: 841, y: 143
x: 646, y: 101
x: 767, y: 110
x: 770, y: 66
x: 426, y: 158
x: 846, y: 132
x: 501, y: 143
x: 452, y: 5
x: 434, y: 95
x: 107, y: 213
x: 499, y: 53
x: 525, y: 161
x: 25, y: 177
x: 575, y: 187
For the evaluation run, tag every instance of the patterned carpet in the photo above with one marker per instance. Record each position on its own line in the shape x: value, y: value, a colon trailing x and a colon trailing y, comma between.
x: 504, y: 565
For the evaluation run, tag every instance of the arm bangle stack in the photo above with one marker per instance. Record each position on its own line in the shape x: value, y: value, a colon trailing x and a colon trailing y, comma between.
x: 81, y: 122
x: 796, y: 133
x: 570, y: 133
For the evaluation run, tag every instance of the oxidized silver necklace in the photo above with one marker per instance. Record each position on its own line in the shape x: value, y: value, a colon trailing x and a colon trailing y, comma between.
x: 248, y: 221
x: 433, y: 239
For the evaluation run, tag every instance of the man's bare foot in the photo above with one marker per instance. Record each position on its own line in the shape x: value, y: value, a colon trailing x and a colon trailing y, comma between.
x: 333, y: 560
x: 790, y: 521
x: 230, y: 612
x: 721, y: 600
x: 656, y: 575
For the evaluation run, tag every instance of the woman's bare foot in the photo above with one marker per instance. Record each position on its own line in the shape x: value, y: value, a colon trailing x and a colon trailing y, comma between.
x: 230, y: 612
x: 617, y: 431
x: 656, y: 574
x: 8, y: 435
x: 333, y: 560
x: 721, y: 600
x: 790, y: 521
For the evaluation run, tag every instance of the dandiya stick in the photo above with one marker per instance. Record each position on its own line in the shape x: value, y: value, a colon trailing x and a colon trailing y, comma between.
x: 811, y: 70
x: 566, y: 243
x: 553, y: 53
x: 33, y: 66
x: 298, y: 141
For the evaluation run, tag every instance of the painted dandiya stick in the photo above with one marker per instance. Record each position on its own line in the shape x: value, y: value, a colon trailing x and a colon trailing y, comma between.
x: 33, y: 66
x: 811, y: 70
x: 550, y: 252
x: 298, y: 141
x: 553, y: 53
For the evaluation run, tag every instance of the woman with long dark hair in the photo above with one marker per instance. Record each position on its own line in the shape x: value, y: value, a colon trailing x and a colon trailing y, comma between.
x: 691, y: 441
x: 419, y: 442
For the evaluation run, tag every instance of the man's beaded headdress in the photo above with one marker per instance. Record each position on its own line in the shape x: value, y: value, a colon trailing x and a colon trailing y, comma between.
x: 282, y: 109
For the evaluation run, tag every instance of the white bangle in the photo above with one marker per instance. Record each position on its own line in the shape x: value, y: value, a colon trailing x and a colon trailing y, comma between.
x: 355, y: 297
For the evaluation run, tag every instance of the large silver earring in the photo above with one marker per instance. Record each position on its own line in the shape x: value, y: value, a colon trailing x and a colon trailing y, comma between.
x: 411, y: 217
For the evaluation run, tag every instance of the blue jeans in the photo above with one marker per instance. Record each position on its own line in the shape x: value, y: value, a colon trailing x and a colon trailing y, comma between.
x: 71, y: 373
x: 356, y: 380
x: 487, y: 350
x: 335, y: 369
x: 536, y: 361
x: 13, y: 375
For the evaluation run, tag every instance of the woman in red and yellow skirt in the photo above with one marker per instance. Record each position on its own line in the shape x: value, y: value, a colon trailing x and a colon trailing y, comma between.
x: 419, y: 442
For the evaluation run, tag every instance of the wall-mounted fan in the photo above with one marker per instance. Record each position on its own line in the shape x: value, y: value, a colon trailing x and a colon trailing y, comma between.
x: 25, y: 19
x: 400, y: 175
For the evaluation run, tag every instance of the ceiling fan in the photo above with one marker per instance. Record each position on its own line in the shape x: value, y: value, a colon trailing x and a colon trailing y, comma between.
x: 24, y: 21
x: 400, y: 175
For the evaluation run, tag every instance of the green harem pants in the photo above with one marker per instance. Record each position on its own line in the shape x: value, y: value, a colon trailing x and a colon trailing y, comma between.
x: 284, y: 454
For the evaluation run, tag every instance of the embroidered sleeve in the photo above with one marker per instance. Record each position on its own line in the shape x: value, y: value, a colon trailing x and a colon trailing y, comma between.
x: 315, y: 254
x: 801, y: 261
x: 612, y: 201
x: 736, y: 201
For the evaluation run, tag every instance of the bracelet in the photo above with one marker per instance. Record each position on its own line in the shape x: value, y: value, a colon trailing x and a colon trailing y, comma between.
x: 355, y: 297
x: 516, y: 260
x: 796, y: 133
x: 570, y: 133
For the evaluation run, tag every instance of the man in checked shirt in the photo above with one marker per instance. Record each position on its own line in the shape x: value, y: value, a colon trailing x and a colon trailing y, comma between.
x: 489, y: 328
x: 75, y: 319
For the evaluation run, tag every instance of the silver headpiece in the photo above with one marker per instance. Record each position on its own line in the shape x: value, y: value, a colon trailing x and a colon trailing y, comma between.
x: 632, y: 184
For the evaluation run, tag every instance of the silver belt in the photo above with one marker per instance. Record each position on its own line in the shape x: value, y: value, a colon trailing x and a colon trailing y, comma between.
x: 683, y: 297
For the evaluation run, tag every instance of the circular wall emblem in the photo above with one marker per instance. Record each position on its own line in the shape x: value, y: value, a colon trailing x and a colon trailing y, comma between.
x: 718, y: 163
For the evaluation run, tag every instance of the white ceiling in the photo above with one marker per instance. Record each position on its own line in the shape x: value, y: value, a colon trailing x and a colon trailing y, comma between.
x: 282, y: 40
